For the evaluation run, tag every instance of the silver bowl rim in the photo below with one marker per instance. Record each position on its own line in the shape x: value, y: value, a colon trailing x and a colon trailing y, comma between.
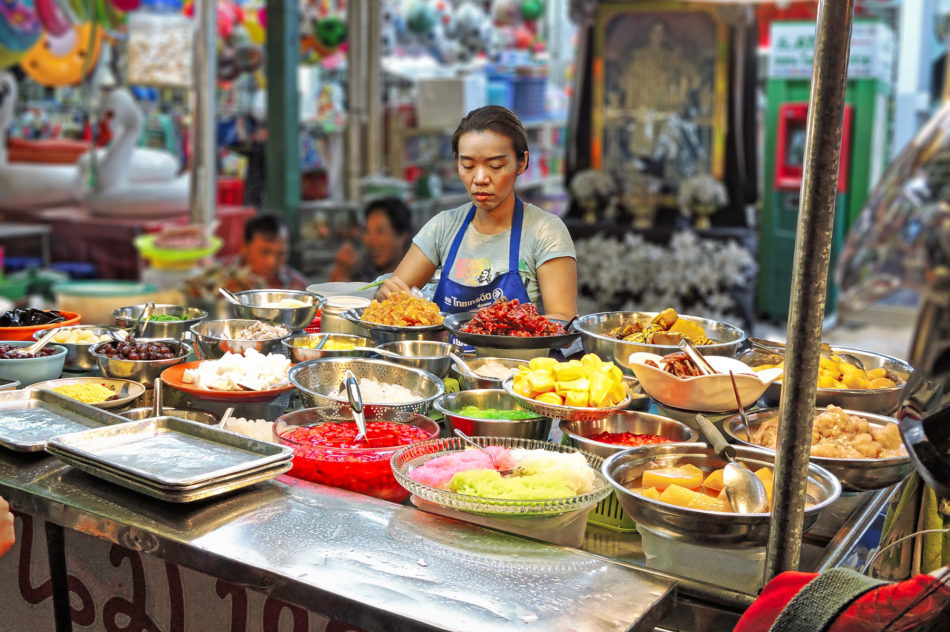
x: 117, y: 313
x: 319, y: 300
x: 437, y: 404
x: 645, y: 453
x: 181, y: 346
x: 281, y: 423
x: 579, y: 323
x: 287, y: 341
x: 300, y: 366
x: 383, y: 345
x: 355, y: 316
x: 564, y: 424
x: 248, y: 320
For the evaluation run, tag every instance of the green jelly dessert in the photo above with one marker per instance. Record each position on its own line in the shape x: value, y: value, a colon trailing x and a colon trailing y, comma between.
x: 493, y: 413
x: 491, y: 484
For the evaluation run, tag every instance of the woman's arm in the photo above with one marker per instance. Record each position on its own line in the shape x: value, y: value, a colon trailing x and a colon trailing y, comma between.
x: 7, y: 533
x: 558, y: 281
x: 414, y: 270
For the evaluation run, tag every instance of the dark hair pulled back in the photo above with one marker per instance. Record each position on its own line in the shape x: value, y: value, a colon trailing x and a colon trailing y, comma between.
x: 496, y: 119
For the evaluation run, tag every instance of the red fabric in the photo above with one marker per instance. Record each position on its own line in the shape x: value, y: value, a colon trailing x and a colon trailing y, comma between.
x: 875, y: 610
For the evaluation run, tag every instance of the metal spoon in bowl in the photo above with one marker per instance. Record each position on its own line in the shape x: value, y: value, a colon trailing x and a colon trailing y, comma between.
x: 745, y: 420
x: 142, y: 322
x: 746, y: 493
x: 35, y: 348
x: 464, y: 437
x: 356, y: 404
x: 225, y: 417
x: 157, y: 398
x: 229, y: 296
x: 463, y: 366
x: 705, y: 368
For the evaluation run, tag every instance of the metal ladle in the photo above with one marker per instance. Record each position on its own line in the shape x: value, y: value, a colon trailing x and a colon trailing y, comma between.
x: 464, y: 437
x: 463, y: 366
x: 229, y: 296
x: 356, y: 404
x: 746, y: 493
x: 34, y: 348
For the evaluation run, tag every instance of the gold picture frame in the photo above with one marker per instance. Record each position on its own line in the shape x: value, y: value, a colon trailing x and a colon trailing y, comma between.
x: 660, y: 89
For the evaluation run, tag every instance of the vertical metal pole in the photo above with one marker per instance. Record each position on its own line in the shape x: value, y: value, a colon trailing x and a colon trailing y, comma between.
x: 809, y: 282
x: 374, y: 91
x: 204, y: 171
x: 355, y: 96
x: 283, y: 110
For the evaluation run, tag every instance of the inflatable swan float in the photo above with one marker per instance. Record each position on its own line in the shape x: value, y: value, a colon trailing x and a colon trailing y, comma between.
x: 116, y: 193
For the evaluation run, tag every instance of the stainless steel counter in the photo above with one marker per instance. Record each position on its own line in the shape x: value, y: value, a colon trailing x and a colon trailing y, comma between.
x: 374, y: 564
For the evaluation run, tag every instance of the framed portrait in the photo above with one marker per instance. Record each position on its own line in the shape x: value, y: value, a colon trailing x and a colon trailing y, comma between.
x: 660, y: 90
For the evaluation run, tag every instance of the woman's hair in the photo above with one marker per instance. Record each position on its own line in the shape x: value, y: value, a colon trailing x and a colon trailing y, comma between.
x: 398, y: 212
x: 496, y: 119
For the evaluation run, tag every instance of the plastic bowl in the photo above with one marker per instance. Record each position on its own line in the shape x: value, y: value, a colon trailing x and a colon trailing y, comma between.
x: 361, y: 470
x: 625, y: 421
x: 30, y: 370
x: 97, y: 299
x: 26, y: 333
x: 536, y: 427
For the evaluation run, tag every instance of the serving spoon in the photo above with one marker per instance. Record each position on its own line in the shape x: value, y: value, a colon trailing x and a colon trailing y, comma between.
x: 34, y: 348
x: 463, y: 366
x: 745, y: 420
x: 356, y: 404
x: 687, y: 346
x: 467, y: 439
x: 745, y: 491
x: 229, y: 296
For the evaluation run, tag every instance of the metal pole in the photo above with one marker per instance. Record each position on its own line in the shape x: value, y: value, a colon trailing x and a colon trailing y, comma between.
x: 356, y: 96
x: 809, y: 282
x: 283, y: 112
x: 374, y: 92
x: 204, y: 170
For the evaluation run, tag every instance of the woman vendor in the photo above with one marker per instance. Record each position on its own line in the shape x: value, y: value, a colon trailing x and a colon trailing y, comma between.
x: 497, y: 246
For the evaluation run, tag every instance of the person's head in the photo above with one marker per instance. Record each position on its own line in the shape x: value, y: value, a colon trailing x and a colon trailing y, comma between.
x: 266, y: 244
x: 490, y: 148
x: 388, y: 232
x: 657, y: 32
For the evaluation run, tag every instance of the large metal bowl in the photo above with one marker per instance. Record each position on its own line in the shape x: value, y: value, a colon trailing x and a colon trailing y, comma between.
x: 706, y: 528
x: 319, y: 382
x: 253, y: 306
x: 201, y: 416
x: 537, y: 427
x: 427, y: 355
x: 635, y: 399
x: 214, y: 338
x: 466, y: 382
x: 78, y: 357
x: 142, y: 371
x: 881, y: 401
x: 390, y: 333
x: 298, y: 353
x: 593, y: 329
x: 624, y: 421
x: 525, y: 347
x: 126, y: 317
x: 856, y: 475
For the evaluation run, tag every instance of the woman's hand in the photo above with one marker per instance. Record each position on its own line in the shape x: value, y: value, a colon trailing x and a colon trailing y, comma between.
x: 558, y: 281
x: 7, y: 533
x: 414, y: 270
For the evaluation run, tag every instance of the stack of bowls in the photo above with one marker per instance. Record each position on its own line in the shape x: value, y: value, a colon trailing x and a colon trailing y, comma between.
x: 258, y: 305
x: 535, y: 427
x: 125, y: 317
x: 214, y: 338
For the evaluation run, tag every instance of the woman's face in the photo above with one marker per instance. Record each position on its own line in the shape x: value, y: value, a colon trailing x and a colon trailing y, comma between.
x: 488, y: 167
x: 384, y: 245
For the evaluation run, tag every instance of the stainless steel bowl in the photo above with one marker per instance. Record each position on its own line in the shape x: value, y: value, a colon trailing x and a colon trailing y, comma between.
x: 214, y: 338
x: 78, y: 357
x: 467, y: 382
x: 390, y: 333
x: 253, y: 302
x: 705, y: 528
x: 427, y: 355
x: 881, y: 401
x: 508, y: 346
x: 142, y: 371
x: 126, y: 317
x: 319, y: 382
x: 303, y: 353
x: 537, y: 427
x: 593, y: 329
x: 856, y: 475
x: 138, y: 414
x: 624, y: 421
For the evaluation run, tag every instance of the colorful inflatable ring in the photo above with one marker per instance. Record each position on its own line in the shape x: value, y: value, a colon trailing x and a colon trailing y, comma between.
x: 54, y: 62
x: 19, y: 25
x: 9, y: 57
x: 52, y: 17
x: 126, y: 5
x: 79, y: 9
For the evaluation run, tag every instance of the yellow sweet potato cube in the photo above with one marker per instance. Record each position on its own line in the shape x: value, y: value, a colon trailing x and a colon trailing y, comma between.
x: 676, y: 495
x: 688, y: 476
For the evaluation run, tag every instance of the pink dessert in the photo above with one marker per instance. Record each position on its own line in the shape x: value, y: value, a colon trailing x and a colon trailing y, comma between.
x: 439, y: 471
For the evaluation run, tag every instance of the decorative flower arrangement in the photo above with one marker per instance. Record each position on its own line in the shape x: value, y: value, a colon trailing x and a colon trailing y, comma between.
x: 702, y: 196
x: 691, y: 275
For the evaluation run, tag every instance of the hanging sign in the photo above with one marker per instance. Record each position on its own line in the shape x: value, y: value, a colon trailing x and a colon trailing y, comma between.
x: 793, y: 50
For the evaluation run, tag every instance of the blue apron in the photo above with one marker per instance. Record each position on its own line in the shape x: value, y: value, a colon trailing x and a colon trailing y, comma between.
x: 453, y: 297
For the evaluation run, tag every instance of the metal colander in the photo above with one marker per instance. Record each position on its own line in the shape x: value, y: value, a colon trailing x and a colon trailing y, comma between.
x: 319, y: 381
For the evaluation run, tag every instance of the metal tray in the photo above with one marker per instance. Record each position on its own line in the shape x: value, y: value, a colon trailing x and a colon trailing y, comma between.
x: 170, y: 452
x: 30, y: 418
x: 191, y: 495
x: 455, y: 322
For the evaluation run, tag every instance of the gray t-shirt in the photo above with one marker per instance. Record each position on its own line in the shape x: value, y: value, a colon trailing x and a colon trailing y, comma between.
x: 481, y: 258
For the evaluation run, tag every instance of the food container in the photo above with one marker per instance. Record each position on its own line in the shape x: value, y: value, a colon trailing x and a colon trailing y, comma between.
x: 574, y: 413
x: 296, y: 318
x: 593, y: 329
x: 390, y: 333
x: 96, y: 300
x: 520, y: 347
x: 319, y: 380
x: 331, y: 315
x: 78, y: 357
x: 125, y: 317
x: 466, y: 382
x: 299, y: 353
x: 174, y: 376
x: 137, y: 414
x: 26, y: 333
x: 361, y: 470
x: 30, y: 370
x: 214, y: 338
x: 706, y: 528
x: 427, y: 355
x: 854, y: 474
x: 881, y: 401
x: 624, y: 421
x: 142, y: 371
x: 126, y: 391
x: 537, y: 427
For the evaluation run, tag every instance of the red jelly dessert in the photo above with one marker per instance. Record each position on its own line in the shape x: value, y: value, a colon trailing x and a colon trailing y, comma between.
x: 628, y: 438
x: 327, y: 454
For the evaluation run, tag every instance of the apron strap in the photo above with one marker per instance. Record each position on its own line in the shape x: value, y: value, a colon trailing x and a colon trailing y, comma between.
x: 457, y: 243
x: 822, y: 600
x: 514, y: 246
